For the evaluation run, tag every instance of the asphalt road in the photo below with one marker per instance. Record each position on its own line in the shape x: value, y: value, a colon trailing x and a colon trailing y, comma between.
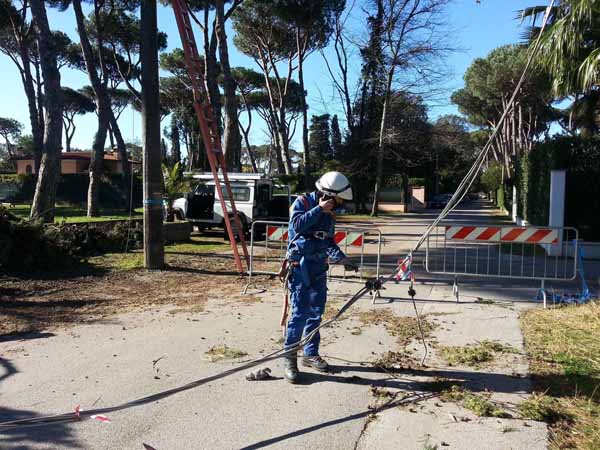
x: 134, y: 355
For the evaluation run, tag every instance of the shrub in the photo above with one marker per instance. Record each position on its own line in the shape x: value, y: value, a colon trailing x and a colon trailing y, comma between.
x: 27, y: 247
x: 580, y: 157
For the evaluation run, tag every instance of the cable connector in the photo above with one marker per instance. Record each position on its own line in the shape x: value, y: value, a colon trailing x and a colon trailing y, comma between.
x: 373, y: 284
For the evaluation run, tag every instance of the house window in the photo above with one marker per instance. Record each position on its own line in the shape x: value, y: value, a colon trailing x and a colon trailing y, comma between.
x: 28, y: 169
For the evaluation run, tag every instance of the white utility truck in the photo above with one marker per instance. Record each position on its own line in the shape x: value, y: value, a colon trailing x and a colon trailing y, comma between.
x: 256, y: 196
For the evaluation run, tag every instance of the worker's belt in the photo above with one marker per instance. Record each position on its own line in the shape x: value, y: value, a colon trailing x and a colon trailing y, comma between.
x: 322, y: 235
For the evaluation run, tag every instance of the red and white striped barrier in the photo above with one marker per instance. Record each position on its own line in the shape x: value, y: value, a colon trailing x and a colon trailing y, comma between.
x: 503, y: 251
x: 521, y: 235
x: 275, y: 233
x: 349, y: 238
x: 353, y: 239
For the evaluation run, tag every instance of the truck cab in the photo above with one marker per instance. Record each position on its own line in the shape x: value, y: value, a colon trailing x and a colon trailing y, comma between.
x: 256, y: 196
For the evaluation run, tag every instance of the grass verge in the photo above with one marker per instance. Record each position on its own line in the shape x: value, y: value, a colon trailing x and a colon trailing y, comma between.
x: 563, y: 345
x: 70, y: 214
x: 119, y: 262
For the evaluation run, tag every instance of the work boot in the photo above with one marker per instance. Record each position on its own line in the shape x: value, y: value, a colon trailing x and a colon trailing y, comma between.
x: 290, y: 368
x: 316, y: 362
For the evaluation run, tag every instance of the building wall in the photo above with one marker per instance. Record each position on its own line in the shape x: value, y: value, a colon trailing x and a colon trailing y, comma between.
x: 82, y: 166
x: 22, y: 166
x: 68, y: 166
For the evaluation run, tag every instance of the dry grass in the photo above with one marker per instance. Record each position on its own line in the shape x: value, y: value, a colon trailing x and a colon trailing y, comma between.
x: 475, y: 354
x: 405, y: 329
x: 222, y: 352
x: 563, y: 345
x: 479, y: 404
x: 331, y: 309
x: 190, y: 282
x: 394, y: 361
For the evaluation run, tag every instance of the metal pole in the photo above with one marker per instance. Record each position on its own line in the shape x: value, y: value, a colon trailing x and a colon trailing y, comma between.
x: 378, y: 252
x: 362, y: 254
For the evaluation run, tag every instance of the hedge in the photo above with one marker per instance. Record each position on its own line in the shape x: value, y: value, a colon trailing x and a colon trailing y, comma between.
x: 72, y: 189
x: 580, y: 157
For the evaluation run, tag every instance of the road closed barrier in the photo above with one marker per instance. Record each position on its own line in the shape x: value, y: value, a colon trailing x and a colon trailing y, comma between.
x: 526, y: 253
x: 267, y: 255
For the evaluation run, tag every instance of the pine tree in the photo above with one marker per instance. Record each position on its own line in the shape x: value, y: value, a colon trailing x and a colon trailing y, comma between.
x: 319, y: 141
x: 336, y: 138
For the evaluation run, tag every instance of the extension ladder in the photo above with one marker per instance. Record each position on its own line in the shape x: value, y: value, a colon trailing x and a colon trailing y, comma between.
x: 208, y: 128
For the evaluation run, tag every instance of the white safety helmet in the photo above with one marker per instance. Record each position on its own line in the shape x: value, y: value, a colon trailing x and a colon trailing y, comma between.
x: 335, y: 184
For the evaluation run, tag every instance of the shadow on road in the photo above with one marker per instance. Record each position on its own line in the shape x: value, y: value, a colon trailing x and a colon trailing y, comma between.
x: 411, y: 391
x: 57, y: 435
x: 24, y: 336
x: 412, y: 399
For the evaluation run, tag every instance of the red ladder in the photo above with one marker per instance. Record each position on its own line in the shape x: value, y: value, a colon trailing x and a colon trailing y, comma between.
x: 208, y: 128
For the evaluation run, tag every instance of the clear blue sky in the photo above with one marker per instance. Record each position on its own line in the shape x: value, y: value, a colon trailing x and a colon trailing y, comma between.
x: 480, y: 29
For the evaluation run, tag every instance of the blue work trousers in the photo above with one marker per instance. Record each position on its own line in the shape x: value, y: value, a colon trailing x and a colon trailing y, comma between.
x: 308, y: 294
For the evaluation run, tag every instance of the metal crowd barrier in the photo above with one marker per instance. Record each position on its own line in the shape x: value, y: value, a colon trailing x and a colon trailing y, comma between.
x: 525, y: 253
x: 274, y: 247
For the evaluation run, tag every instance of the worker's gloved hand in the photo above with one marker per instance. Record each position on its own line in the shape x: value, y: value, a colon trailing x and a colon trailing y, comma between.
x: 349, y: 265
x: 327, y: 205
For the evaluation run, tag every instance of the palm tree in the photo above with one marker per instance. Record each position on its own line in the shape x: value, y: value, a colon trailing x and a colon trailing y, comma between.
x: 570, y: 53
x: 173, y: 187
x: 569, y: 47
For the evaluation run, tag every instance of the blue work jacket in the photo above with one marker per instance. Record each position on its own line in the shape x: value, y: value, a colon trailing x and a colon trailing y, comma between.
x: 306, y: 219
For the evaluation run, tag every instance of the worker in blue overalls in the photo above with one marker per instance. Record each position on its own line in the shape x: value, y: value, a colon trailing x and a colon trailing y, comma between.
x: 311, y: 248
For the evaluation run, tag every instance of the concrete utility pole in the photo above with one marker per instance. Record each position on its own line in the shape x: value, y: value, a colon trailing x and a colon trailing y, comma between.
x: 154, y: 255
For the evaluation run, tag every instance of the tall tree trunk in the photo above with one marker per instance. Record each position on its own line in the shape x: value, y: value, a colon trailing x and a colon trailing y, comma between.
x: 37, y: 129
x: 277, y: 146
x: 250, y: 152
x: 104, y: 114
x: 211, y: 69
x: 175, y: 144
x: 246, y: 133
x: 154, y: 256
x: 284, y: 143
x: 49, y: 174
x: 285, y: 151
x: 111, y: 135
x: 305, y: 146
x: 232, y: 139
x: 40, y: 93
x: 122, y: 149
x: 69, y: 133
x: 379, y: 167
